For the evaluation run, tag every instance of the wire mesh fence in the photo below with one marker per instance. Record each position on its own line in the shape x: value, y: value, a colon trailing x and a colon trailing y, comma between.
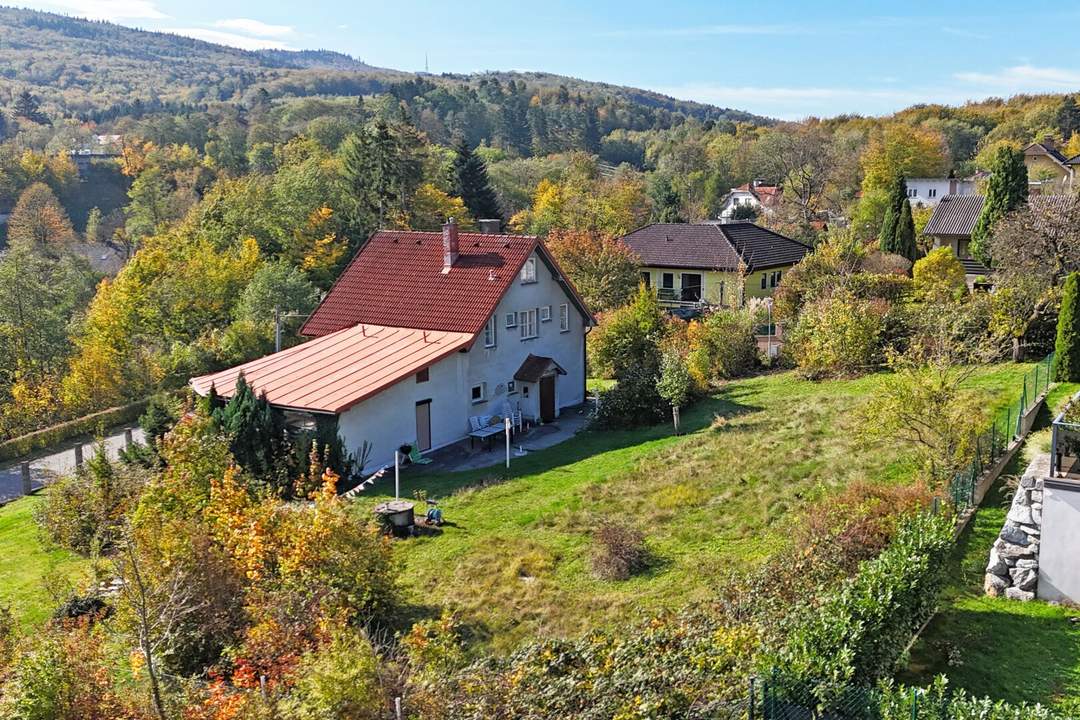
x: 1006, y: 426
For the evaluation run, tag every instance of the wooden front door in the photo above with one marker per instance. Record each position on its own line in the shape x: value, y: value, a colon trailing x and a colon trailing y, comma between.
x: 547, y: 398
x: 423, y: 425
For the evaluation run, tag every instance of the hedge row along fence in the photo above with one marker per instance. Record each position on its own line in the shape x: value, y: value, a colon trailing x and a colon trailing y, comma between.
x: 86, y: 425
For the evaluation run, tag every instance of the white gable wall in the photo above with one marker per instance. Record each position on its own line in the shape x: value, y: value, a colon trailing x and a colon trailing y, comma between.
x: 388, y: 419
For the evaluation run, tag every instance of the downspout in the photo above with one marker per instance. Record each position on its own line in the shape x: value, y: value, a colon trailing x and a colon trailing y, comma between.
x: 585, y: 364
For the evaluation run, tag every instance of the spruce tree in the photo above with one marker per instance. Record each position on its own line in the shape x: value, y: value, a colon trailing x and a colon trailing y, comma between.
x: 28, y: 107
x: 471, y: 183
x: 905, y: 233
x: 1006, y: 190
x: 1068, y: 118
x: 1067, y: 347
x: 891, y: 221
x: 254, y: 429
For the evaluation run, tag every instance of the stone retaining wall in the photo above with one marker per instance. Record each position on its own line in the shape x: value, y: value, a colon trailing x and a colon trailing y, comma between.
x: 1013, y: 569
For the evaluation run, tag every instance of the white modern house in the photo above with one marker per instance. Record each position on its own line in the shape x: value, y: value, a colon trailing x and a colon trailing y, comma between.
x: 422, y: 334
x: 756, y: 195
x: 928, y: 192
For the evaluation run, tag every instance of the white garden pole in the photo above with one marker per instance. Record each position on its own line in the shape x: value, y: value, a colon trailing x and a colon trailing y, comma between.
x: 397, y: 486
x: 506, y: 426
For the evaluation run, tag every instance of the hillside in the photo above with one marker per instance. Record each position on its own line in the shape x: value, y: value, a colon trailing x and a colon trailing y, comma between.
x: 81, y: 68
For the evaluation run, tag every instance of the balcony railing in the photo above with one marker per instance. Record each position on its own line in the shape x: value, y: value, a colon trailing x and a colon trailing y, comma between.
x: 681, y: 297
x: 1065, y: 441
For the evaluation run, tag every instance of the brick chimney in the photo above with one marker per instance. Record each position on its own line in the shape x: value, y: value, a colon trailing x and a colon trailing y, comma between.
x: 450, y: 244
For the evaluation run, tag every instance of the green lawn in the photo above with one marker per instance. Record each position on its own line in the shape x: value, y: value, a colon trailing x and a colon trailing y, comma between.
x: 991, y: 646
x: 27, y: 568
x: 515, y: 557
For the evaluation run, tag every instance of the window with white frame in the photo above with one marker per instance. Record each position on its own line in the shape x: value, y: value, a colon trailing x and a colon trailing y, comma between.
x: 479, y: 392
x: 527, y: 323
x: 564, y: 317
x: 528, y: 271
x: 511, y: 320
x: 545, y: 313
x: 489, y: 332
x: 511, y: 387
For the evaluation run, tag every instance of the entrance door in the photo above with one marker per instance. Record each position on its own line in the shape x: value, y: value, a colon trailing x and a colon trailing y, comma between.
x: 547, y: 398
x: 423, y: 425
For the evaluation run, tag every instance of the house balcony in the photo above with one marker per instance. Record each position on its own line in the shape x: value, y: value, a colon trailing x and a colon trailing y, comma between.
x: 688, y: 297
x: 1065, y: 442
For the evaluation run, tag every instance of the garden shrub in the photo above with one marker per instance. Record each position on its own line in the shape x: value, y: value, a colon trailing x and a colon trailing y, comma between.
x: 940, y: 702
x: 838, y: 335
x: 618, y: 551
x: 88, y: 424
x: 690, y: 665
x: 939, y: 276
x: 857, y: 634
x: 338, y: 681
x: 629, y: 337
x: 634, y: 401
x: 162, y: 412
x: 85, y: 511
x: 722, y: 345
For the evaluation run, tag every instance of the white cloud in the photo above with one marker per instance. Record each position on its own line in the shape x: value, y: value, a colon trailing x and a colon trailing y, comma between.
x: 254, y: 27
x: 105, y: 9
x: 1023, y: 78
x: 232, y: 39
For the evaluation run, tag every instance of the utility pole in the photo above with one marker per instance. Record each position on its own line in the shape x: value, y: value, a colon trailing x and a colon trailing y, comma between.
x: 278, y: 317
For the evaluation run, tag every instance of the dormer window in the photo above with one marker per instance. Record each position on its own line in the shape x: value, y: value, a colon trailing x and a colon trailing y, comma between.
x: 528, y: 271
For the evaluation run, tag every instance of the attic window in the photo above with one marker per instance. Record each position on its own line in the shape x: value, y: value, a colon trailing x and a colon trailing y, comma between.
x: 528, y: 271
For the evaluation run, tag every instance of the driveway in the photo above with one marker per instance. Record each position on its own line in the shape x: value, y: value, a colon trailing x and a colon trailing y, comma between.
x: 48, y: 466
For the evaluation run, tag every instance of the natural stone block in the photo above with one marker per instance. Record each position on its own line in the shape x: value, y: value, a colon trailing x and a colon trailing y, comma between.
x: 1027, y: 563
x: 1024, y: 578
x: 994, y: 585
x: 1013, y: 535
x: 1010, y: 551
x: 1014, y: 593
x: 1020, y: 514
x: 1027, y: 481
x: 996, y: 566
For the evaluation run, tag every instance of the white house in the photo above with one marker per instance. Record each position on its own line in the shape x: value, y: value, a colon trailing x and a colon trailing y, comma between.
x: 757, y: 195
x: 423, y: 332
x: 928, y: 192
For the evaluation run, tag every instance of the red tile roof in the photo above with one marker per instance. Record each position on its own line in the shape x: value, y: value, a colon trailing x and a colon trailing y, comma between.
x: 396, y: 279
x: 336, y: 371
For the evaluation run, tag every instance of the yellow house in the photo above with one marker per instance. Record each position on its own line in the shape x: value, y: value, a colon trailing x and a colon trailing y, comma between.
x: 713, y: 263
x: 1049, y: 172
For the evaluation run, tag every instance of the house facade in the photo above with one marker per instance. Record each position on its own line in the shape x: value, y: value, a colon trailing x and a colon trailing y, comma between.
x: 929, y: 191
x: 951, y: 225
x: 423, y: 332
x: 756, y: 195
x: 714, y: 263
x: 1049, y: 172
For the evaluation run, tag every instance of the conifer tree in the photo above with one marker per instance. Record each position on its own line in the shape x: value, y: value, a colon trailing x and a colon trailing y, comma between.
x: 905, y: 233
x: 28, y: 107
x: 255, y: 431
x: 897, y: 198
x: 1006, y: 190
x: 472, y: 185
x: 1067, y: 347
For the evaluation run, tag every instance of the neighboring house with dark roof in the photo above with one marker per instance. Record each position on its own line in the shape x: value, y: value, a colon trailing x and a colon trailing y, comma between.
x: 950, y: 226
x: 1049, y: 172
x: 757, y: 195
x: 713, y: 263
x: 425, y: 332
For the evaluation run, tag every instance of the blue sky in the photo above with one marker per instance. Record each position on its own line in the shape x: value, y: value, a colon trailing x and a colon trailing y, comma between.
x: 783, y: 59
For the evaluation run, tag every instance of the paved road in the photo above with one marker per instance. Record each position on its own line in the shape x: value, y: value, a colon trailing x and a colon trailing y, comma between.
x: 44, y: 468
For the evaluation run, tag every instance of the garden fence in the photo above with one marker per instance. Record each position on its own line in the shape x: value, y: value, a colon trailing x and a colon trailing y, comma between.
x: 1006, y: 426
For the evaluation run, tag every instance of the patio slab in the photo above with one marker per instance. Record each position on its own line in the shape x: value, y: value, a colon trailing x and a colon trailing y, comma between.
x: 459, y: 456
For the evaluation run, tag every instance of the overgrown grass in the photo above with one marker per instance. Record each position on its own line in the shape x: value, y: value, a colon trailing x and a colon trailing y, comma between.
x: 27, y: 566
x: 1014, y: 651
x: 515, y: 557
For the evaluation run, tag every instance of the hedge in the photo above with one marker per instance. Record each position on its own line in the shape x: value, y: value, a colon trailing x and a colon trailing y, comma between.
x: 86, y: 425
x: 857, y: 634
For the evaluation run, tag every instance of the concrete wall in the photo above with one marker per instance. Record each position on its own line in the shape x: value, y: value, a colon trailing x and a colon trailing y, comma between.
x: 1059, y: 555
x: 388, y: 419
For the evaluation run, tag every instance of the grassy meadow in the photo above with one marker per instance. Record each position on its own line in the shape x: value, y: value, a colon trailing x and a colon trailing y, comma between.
x: 514, y: 559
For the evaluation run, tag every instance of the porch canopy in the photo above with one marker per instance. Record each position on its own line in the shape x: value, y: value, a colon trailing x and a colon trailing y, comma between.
x: 332, y: 373
x: 537, y: 366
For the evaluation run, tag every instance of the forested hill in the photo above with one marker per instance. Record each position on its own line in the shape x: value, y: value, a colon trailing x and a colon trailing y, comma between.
x: 98, y: 70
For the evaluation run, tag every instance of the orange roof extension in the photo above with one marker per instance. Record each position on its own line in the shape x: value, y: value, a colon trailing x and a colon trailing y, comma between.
x: 397, y: 279
x: 336, y: 371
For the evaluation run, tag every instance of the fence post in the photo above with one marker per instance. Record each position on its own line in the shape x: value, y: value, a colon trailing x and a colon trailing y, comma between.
x: 78, y: 455
x: 914, y: 704
x: 753, y: 697
x: 128, y: 440
x: 1036, y: 381
x: 27, y: 488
